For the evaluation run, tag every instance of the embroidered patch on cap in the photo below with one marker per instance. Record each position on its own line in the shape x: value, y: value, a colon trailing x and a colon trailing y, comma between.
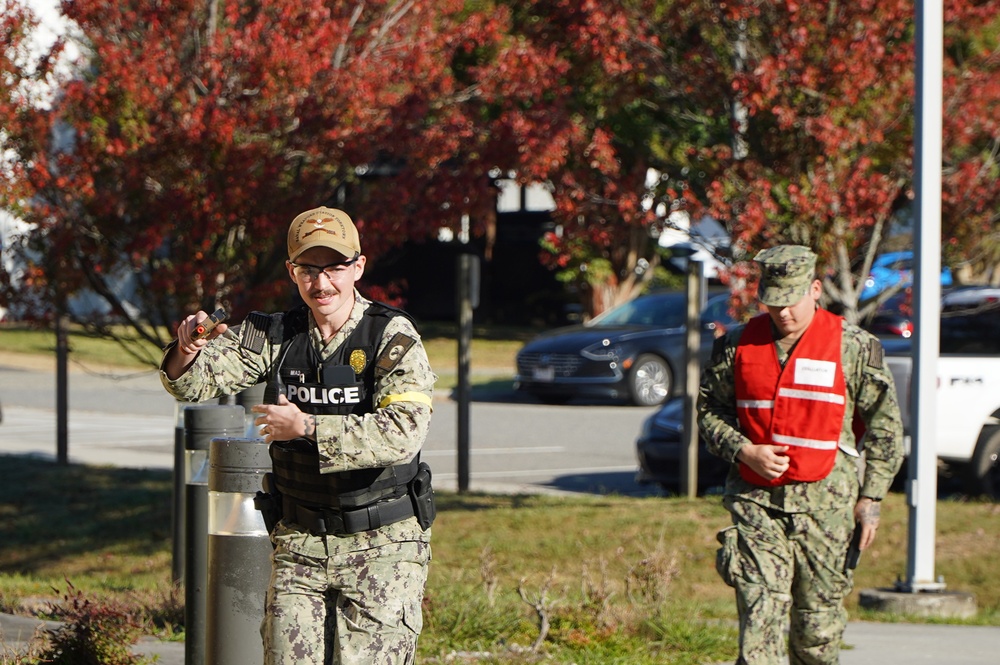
x: 393, y: 353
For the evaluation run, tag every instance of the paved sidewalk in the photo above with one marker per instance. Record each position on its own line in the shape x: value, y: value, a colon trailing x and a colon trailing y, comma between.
x: 866, y: 643
x: 911, y: 643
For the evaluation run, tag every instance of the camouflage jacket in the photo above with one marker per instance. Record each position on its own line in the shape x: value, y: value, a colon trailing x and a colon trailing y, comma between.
x: 871, y: 394
x: 392, y: 434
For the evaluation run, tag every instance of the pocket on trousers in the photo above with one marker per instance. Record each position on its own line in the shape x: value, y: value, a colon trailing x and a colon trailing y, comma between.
x: 413, y: 616
x: 727, y: 557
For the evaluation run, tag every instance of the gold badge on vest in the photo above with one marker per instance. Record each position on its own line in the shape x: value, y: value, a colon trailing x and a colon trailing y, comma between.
x: 358, y: 361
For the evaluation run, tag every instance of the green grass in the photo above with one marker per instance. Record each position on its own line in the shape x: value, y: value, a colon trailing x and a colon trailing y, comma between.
x: 619, y: 579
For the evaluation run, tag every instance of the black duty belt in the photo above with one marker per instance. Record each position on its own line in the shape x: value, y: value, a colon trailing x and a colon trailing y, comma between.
x: 322, y: 521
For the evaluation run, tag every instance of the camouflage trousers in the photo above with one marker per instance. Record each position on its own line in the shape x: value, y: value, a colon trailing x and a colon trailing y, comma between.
x: 353, y: 608
x: 788, y: 571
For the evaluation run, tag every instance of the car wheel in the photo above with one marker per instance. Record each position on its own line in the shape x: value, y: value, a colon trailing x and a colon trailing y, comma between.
x: 649, y: 381
x: 985, y: 468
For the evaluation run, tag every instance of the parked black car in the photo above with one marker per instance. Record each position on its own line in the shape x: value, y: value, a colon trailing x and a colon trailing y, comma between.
x: 634, y: 352
x: 659, y: 448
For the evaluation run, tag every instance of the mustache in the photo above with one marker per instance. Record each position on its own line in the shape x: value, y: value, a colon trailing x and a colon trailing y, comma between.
x: 322, y: 293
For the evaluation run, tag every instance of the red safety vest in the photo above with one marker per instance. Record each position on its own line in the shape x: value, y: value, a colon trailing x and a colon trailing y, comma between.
x: 801, y: 405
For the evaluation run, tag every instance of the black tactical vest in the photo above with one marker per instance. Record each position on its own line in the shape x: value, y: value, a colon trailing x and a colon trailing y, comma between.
x: 342, y: 385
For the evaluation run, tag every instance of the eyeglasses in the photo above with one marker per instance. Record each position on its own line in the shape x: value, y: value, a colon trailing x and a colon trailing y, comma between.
x: 309, y: 273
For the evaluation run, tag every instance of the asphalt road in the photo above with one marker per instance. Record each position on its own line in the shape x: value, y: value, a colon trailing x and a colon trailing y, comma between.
x: 515, y: 445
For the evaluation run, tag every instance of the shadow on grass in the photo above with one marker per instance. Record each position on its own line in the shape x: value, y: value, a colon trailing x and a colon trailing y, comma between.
x: 620, y: 483
x: 478, y: 501
x: 50, y: 511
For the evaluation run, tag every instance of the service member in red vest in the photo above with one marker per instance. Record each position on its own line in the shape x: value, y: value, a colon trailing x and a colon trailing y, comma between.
x: 346, y: 411
x: 793, y: 399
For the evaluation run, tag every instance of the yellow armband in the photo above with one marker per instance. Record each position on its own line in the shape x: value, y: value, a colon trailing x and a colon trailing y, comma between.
x: 412, y: 396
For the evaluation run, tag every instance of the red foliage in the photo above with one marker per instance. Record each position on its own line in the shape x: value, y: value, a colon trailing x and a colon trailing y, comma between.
x: 830, y: 94
x: 187, y: 138
x: 187, y: 141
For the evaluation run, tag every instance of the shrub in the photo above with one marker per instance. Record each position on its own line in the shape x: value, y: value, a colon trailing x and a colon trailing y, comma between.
x: 93, y: 633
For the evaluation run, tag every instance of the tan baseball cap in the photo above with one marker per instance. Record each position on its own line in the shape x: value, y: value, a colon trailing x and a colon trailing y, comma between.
x: 323, y: 227
x: 786, y: 274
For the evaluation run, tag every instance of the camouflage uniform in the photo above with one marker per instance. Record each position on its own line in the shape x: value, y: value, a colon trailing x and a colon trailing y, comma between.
x: 785, y: 553
x: 353, y: 599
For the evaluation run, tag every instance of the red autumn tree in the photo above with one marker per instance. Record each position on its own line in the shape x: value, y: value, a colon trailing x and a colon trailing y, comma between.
x: 645, y: 91
x: 191, y: 132
x: 829, y: 88
x: 794, y: 120
x: 970, y: 208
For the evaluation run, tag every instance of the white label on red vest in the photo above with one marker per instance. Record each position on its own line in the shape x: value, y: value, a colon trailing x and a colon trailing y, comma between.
x: 810, y: 372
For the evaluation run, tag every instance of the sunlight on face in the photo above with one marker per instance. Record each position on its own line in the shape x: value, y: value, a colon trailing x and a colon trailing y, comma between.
x: 330, y: 291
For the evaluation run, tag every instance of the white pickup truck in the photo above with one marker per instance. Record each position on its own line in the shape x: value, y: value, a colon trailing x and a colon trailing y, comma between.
x: 967, y: 436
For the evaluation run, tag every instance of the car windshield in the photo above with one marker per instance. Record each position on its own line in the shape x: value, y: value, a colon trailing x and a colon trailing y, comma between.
x: 663, y: 311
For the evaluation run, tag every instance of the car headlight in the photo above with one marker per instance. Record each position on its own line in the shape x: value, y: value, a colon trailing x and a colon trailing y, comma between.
x: 603, y: 350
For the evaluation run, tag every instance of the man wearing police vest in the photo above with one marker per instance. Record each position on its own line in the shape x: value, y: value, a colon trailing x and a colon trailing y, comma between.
x: 788, y: 399
x: 347, y: 409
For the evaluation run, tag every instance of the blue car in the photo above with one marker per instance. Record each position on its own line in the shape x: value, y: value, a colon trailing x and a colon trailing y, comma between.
x: 891, y: 269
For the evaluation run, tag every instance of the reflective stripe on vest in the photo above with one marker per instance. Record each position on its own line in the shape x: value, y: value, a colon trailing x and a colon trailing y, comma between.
x: 801, y: 405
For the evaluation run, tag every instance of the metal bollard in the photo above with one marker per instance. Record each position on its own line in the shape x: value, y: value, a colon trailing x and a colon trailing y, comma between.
x: 177, y: 507
x: 202, y: 423
x: 239, y: 552
x: 249, y: 398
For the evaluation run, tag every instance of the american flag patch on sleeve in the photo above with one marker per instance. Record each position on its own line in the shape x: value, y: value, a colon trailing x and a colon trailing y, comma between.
x: 253, y: 332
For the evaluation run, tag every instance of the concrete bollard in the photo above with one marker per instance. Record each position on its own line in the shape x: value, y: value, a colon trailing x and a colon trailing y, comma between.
x: 239, y: 552
x: 202, y: 423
